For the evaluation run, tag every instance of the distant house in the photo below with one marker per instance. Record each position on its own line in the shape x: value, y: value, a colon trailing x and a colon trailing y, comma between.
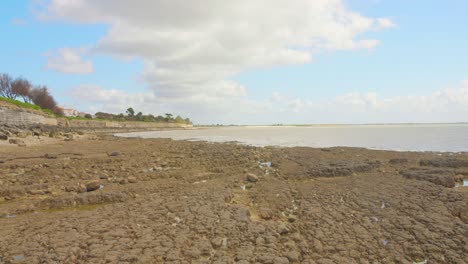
x: 70, y: 112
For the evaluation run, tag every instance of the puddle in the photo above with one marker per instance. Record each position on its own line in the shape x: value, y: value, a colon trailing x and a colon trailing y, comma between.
x: 462, y: 184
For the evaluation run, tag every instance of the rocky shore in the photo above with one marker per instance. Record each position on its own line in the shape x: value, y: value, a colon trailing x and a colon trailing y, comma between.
x: 76, y: 197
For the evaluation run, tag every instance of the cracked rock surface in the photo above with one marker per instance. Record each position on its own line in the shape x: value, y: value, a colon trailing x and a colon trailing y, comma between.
x: 164, y: 201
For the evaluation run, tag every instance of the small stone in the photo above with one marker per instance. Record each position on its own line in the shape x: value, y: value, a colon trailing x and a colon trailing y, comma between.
x: 283, y: 229
x: 103, y: 177
x: 132, y: 179
x: 266, y: 213
x: 92, y: 186
x: 50, y: 156
x: 249, y: 186
x: 18, y: 258
x: 281, y: 260
x: 70, y: 188
x: 114, y: 154
x: 251, y: 177
x: 293, y: 256
x: 217, y: 242
x: 292, y: 218
x: 3, y: 136
x: 123, y: 181
x: 36, y: 192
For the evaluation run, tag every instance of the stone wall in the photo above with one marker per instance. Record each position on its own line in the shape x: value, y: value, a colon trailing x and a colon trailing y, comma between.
x: 18, y: 117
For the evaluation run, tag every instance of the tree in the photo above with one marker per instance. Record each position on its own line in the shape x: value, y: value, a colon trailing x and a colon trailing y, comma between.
x: 88, y: 116
x: 130, y: 112
x: 139, y: 116
x: 41, y: 97
x: 179, y: 119
x: 22, y: 88
x: 5, y: 86
x: 168, y: 117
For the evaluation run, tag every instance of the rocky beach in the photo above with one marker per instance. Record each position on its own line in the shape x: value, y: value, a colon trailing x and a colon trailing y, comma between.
x: 84, y: 197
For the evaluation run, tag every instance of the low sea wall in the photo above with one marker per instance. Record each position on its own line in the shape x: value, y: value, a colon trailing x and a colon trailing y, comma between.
x: 18, y: 117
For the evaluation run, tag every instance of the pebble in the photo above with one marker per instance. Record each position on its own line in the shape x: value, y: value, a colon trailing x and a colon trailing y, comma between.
x: 251, y: 177
x: 92, y: 186
x: 50, y: 156
x: 132, y: 179
x: 283, y: 229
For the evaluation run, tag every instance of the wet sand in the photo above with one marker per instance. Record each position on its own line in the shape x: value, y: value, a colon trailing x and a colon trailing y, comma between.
x: 101, y: 199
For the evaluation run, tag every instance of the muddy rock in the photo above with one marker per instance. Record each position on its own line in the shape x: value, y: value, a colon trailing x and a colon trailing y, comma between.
x: 266, y: 213
x: 396, y: 161
x: 374, y: 214
x: 51, y: 156
x: 16, y: 141
x: 444, y: 178
x: 3, y: 136
x: 447, y: 162
x: 114, y: 154
x: 92, y: 186
x: 132, y: 179
x: 251, y: 177
x: 82, y: 199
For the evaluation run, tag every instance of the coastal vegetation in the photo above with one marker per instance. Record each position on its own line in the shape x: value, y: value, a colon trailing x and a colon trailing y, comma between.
x: 38, y: 97
x: 132, y: 115
x: 34, y: 96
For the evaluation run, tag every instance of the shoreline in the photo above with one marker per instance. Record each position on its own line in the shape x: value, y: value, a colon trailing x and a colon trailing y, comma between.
x: 269, y: 136
x: 99, y: 198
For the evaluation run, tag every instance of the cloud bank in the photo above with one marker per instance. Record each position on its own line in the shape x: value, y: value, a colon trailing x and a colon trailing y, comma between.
x: 444, y: 105
x: 194, y: 48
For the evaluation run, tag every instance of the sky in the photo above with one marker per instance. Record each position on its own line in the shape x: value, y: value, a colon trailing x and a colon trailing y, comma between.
x: 246, y: 61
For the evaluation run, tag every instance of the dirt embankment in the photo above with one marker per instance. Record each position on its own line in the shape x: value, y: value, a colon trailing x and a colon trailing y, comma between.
x: 111, y: 200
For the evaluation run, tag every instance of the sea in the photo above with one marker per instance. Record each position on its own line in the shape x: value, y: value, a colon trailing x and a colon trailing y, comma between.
x: 412, y: 137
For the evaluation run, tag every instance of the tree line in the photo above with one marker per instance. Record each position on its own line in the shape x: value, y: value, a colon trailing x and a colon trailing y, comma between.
x: 131, y: 115
x: 13, y: 88
x: 39, y: 95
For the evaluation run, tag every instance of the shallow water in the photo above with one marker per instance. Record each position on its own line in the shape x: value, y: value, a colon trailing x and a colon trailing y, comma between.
x: 444, y: 137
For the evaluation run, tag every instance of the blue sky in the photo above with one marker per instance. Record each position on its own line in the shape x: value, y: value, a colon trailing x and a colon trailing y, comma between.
x: 99, y: 58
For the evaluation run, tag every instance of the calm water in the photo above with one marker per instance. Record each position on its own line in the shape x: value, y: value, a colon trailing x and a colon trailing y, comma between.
x: 452, y: 138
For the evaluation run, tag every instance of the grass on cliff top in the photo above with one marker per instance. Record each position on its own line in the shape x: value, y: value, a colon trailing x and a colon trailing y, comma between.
x: 20, y: 104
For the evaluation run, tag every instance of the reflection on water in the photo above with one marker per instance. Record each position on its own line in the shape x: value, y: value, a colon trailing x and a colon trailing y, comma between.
x: 451, y: 138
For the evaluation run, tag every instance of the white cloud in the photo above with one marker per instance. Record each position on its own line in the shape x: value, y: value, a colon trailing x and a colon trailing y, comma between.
x: 194, y: 48
x: 385, y: 23
x: 69, y: 60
